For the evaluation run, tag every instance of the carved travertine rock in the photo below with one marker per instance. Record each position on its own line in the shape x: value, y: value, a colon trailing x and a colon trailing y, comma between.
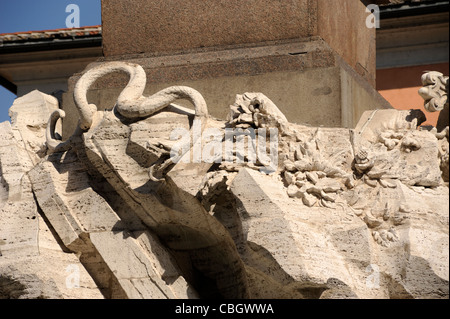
x: 29, y: 117
x: 434, y: 91
x: 397, y: 149
x: 435, y: 94
x: 256, y: 109
x: 130, y: 104
x: 32, y: 263
x: 170, y: 203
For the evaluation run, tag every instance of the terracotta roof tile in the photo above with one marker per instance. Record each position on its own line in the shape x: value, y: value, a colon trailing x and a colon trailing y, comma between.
x: 51, y: 34
x: 399, y: 2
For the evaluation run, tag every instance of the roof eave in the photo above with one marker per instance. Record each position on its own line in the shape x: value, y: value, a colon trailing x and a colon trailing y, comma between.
x: 60, y: 44
x: 413, y: 9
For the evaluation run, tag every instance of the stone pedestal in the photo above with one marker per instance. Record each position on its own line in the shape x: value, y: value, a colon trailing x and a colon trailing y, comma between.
x: 315, y: 59
x: 169, y: 26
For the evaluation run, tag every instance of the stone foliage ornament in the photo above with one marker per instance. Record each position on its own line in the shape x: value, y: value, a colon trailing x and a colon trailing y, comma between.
x: 435, y: 94
x: 434, y: 91
x: 342, y: 213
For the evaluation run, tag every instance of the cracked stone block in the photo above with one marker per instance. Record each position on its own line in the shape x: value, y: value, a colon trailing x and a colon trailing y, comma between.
x: 136, y: 270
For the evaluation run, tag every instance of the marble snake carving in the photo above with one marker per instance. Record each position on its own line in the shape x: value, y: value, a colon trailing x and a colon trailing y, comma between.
x: 131, y: 102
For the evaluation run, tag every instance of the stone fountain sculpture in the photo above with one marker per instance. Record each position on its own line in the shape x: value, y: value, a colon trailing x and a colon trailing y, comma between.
x: 155, y: 200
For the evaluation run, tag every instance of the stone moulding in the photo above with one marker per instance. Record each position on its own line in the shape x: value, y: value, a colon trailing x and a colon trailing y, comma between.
x: 344, y: 213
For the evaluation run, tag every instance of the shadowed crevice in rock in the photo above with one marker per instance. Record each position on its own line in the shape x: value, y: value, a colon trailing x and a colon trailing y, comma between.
x: 396, y: 289
x: 74, y: 183
x: 224, y: 206
x: 428, y: 285
x: 266, y: 277
x: 175, y: 216
x: 417, y: 115
x: 211, y: 249
x: 102, y: 275
x: 50, y: 227
x: 260, y: 262
x: 27, y: 286
x: 11, y: 289
x: 344, y: 213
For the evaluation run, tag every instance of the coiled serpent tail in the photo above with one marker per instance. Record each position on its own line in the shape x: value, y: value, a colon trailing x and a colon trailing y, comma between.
x: 130, y: 103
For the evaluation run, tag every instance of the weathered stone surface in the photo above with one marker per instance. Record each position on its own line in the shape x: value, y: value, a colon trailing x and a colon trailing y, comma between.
x: 32, y: 262
x: 173, y: 214
x: 136, y: 271
x: 61, y: 185
x: 174, y: 26
x: 434, y: 91
x: 319, y: 244
x: 266, y: 22
x: 303, y: 78
x: 89, y: 227
x: 391, y: 142
x: 29, y: 117
x: 296, y: 236
x: 175, y: 204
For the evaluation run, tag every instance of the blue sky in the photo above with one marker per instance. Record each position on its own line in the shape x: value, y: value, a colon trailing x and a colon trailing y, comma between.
x: 34, y: 15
